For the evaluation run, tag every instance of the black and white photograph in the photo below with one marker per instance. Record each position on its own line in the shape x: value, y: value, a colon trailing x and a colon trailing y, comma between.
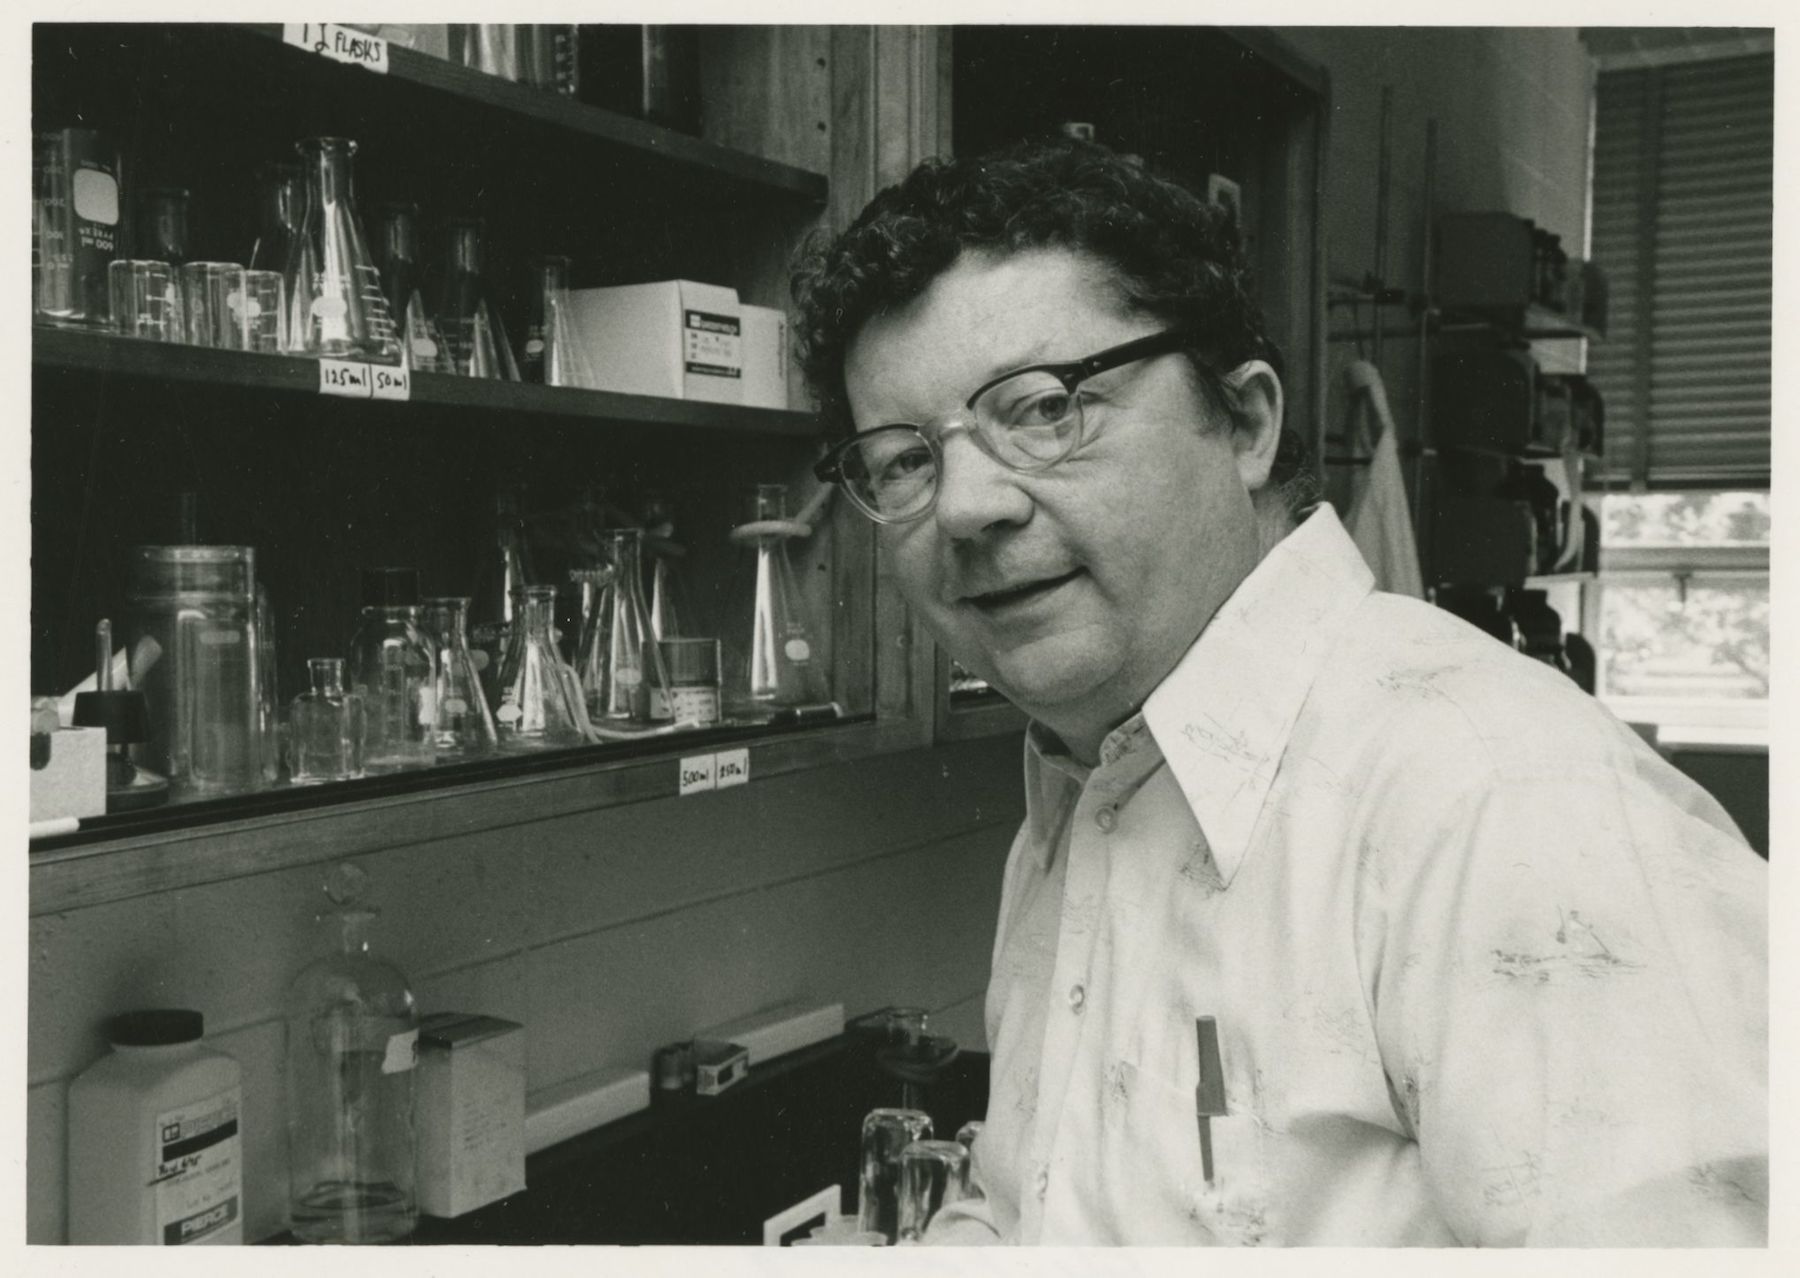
x: 1038, y: 627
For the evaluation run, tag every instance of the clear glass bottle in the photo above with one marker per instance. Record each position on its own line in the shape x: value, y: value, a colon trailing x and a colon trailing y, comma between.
x: 326, y: 727
x: 773, y: 653
x: 336, y: 308
x: 352, y: 1042
x: 397, y: 259
x: 466, y: 315
x: 555, y: 353
x: 537, y: 710
x: 621, y: 668
x: 465, y: 725
x: 392, y: 667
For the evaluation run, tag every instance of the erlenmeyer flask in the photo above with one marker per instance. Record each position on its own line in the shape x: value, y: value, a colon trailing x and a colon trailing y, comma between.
x: 499, y: 595
x: 491, y: 47
x: 397, y: 258
x: 536, y: 712
x: 464, y: 727
x: 336, y: 308
x: 281, y: 208
x: 621, y: 666
x: 668, y: 606
x: 466, y: 316
x: 775, y: 659
x: 555, y: 353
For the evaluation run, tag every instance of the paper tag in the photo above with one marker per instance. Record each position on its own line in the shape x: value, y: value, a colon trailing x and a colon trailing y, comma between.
x: 402, y: 1052
x: 732, y: 766
x: 390, y: 381
x: 198, y: 1172
x: 341, y: 377
x: 339, y: 43
x: 697, y: 774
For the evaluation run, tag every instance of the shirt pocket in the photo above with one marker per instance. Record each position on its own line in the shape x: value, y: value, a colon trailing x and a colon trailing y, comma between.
x: 1233, y: 1208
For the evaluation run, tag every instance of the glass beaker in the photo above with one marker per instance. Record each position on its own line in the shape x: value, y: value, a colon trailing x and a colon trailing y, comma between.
x: 885, y: 1132
x: 280, y: 209
x: 352, y: 1042
x: 144, y: 299
x: 336, y: 309
x: 773, y: 657
x: 466, y: 315
x: 393, y: 667
x: 932, y: 1174
x: 325, y: 727
x: 397, y: 258
x: 198, y: 657
x: 465, y: 726
x: 621, y: 668
x: 75, y: 227
x: 555, y: 353
x: 537, y: 710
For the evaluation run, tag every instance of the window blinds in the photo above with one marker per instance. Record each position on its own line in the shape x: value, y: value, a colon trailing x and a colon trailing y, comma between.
x: 1682, y: 216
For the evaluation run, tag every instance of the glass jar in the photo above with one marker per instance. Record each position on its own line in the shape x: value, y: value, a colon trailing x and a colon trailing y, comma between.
x: 326, y: 727
x: 392, y: 667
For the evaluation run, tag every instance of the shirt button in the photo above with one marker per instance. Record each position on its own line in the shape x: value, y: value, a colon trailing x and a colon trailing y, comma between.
x: 1077, y: 998
x: 1043, y: 1182
x: 1107, y: 819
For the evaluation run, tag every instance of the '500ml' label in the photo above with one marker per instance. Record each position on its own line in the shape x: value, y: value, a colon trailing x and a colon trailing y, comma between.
x: 199, y: 1169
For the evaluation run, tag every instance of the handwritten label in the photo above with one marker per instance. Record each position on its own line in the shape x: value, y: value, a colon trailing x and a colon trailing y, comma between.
x: 340, y: 377
x: 339, y: 43
x: 732, y: 766
x: 391, y: 381
x: 697, y: 774
x: 402, y: 1052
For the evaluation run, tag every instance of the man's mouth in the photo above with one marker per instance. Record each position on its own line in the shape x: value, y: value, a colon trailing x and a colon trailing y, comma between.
x: 1018, y: 593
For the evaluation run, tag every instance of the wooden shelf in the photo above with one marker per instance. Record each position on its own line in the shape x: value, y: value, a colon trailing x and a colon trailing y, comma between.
x: 85, y: 354
x: 1558, y: 579
x: 1532, y: 322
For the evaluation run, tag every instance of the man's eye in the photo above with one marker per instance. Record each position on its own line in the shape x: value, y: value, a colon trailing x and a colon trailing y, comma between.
x: 1042, y: 408
x: 901, y: 466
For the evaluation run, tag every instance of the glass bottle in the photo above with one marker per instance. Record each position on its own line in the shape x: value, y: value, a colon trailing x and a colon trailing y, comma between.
x: 326, y: 727
x: 336, y: 309
x: 536, y: 711
x: 464, y: 727
x: 162, y: 225
x: 397, y: 259
x: 555, y: 354
x: 352, y: 1041
x: 621, y: 668
x: 499, y: 595
x: 281, y: 207
x: 773, y: 664
x: 392, y: 667
x: 466, y: 315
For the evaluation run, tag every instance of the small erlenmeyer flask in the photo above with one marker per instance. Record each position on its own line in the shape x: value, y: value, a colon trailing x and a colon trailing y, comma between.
x: 774, y: 661
x: 397, y: 258
x: 465, y: 726
x: 465, y: 313
x: 621, y: 667
x: 536, y: 711
x: 555, y: 352
x: 336, y: 309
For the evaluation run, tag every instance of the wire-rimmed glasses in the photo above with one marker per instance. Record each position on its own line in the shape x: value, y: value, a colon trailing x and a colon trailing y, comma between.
x: 1027, y: 420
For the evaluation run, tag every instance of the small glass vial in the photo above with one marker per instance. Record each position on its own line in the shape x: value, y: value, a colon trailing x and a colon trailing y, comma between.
x: 393, y: 669
x: 326, y: 727
x: 155, y: 1151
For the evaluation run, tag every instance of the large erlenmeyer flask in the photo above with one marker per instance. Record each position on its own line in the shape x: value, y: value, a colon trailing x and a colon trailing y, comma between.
x: 621, y: 666
x: 466, y: 315
x: 536, y: 710
x: 669, y: 609
x: 464, y: 727
x: 397, y: 258
x: 555, y: 353
x: 336, y: 309
x: 774, y: 658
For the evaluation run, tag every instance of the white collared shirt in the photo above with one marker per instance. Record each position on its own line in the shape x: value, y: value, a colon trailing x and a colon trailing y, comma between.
x: 1485, y: 968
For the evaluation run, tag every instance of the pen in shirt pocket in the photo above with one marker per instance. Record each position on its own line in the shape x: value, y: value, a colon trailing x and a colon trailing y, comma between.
x: 1209, y: 1093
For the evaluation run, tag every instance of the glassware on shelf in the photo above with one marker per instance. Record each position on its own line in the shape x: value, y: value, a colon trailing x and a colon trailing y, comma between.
x: 214, y: 305
x: 693, y: 700
x: 281, y: 209
x: 392, y: 666
x: 885, y: 1132
x: 621, y: 668
x: 499, y: 595
x: 668, y: 610
x: 555, y: 352
x: 144, y: 300
x: 125, y: 715
x: 772, y: 647
x: 396, y: 248
x: 490, y: 47
x: 538, y: 695
x: 336, y: 308
x: 352, y: 1041
x: 75, y: 231
x: 162, y: 225
x: 549, y: 56
x: 466, y: 315
x: 465, y: 726
x: 325, y: 727
x: 933, y: 1174
x: 265, y: 314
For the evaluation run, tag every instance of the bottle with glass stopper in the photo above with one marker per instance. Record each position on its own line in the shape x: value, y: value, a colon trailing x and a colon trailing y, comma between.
x: 352, y: 1042
x: 537, y: 710
x: 465, y: 725
x: 326, y: 727
x: 394, y: 670
x: 774, y: 660
x: 336, y: 307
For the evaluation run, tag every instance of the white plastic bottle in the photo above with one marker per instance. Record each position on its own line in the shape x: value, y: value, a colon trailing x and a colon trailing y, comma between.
x: 155, y: 1151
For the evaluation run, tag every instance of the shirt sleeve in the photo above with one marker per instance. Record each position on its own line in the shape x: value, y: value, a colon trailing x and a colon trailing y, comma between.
x: 1570, y: 991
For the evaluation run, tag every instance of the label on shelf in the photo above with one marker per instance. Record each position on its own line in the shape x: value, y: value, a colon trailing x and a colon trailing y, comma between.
x: 390, y: 381
x: 339, y: 43
x: 732, y: 766
x: 344, y: 377
x: 697, y: 775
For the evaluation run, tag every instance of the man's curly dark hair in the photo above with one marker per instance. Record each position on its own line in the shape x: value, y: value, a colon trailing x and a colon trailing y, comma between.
x: 1174, y: 256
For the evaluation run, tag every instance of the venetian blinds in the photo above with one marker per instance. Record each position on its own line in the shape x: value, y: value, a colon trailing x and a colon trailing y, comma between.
x: 1683, y: 194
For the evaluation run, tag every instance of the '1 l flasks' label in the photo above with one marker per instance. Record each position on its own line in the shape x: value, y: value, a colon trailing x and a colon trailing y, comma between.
x: 199, y: 1169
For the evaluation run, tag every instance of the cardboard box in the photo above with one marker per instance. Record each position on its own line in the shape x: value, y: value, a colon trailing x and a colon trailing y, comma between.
x: 470, y: 1112
x: 674, y: 338
x: 765, y: 356
x: 72, y: 780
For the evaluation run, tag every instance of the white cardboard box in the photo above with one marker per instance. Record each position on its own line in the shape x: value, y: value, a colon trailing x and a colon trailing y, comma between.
x: 470, y: 1112
x: 674, y: 338
x: 765, y: 356
x: 72, y: 782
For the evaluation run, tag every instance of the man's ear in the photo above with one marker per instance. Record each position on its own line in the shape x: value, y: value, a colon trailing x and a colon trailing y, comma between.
x: 1256, y: 394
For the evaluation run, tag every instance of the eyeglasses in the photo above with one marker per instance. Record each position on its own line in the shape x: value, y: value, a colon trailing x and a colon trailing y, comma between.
x: 1027, y: 420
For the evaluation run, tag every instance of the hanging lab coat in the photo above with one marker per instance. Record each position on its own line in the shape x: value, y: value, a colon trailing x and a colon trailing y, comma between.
x: 1380, y: 520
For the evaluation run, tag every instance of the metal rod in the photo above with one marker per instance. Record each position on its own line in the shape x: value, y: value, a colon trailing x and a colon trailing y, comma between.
x: 1382, y: 173
x: 1422, y: 390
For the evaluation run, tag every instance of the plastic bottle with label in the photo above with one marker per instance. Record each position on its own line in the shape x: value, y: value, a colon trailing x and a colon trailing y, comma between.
x: 155, y: 1151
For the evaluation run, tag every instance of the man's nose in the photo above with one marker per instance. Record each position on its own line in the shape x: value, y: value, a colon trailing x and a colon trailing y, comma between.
x: 976, y: 492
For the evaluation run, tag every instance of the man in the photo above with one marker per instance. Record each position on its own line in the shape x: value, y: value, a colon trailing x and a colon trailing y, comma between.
x: 1479, y: 966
